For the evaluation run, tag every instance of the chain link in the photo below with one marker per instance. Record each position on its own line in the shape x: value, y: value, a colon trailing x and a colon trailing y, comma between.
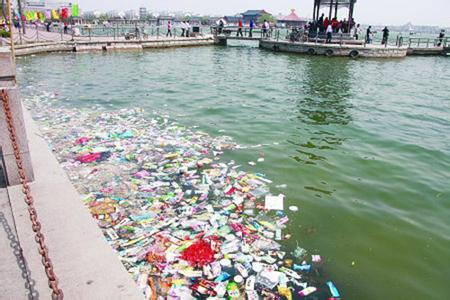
x: 57, y: 293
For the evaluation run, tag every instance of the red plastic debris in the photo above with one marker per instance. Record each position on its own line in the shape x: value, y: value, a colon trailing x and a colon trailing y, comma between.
x: 82, y: 140
x: 89, y: 158
x: 199, y: 253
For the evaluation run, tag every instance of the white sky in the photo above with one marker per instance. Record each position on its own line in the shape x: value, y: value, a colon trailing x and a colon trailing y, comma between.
x: 377, y: 12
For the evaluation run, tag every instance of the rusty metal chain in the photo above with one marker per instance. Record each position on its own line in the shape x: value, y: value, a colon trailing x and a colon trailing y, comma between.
x: 57, y: 293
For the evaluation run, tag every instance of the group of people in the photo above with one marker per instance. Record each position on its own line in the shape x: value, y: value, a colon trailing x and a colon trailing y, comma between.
x: 265, y: 26
x: 342, y: 26
x: 185, y: 28
x: 370, y: 33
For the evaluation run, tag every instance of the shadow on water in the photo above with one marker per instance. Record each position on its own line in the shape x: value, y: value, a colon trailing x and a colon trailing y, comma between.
x: 322, y: 89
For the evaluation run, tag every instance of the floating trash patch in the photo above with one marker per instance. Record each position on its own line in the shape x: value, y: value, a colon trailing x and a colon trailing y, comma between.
x: 185, y: 224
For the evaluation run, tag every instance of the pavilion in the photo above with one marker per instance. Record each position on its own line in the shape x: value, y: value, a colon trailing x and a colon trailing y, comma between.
x: 333, y: 5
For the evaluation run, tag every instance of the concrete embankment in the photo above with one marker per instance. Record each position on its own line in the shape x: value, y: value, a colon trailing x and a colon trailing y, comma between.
x: 139, y: 45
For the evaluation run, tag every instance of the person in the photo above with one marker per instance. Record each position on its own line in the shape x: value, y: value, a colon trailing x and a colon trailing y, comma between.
x: 329, y: 33
x: 252, y: 26
x: 221, y: 26
x: 320, y: 23
x: 169, y: 29
x: 183, y: 28
x: 188, y: 29
x: 441, y: 37
x: 356, y: 31
x: 335, y: 24
x: 266, y: 28
x: 369, y: 35
x: 384, y: 41
x: 48, y: 26
x: 241, y: 25
x: 136, y: 32
x: 344, y: 26
x: 326, y: 22
x: 66, y: 27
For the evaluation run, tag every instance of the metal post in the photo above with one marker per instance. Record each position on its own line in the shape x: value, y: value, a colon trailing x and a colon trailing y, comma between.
x: 11, y: 35
x: 331, y: 10
x: 314, y: 10
x: 20, y: 37
x: 336, y: 8
x: 19, y: 4
x: 37, y: 33
x: 318, y: 9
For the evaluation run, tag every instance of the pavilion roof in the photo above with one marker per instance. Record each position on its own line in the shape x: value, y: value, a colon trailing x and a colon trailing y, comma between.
x: 292, y: 17
x: 341, y: 3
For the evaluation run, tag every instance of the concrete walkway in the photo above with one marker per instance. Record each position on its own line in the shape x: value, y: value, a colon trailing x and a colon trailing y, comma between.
x: 86, y: 265
x: 16, y: 277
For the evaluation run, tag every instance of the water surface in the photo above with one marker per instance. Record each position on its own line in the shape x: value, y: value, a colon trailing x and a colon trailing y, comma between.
x: 362, y: 145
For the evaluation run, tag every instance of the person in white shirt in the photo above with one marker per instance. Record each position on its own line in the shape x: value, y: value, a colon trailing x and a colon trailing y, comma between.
x: 329, y: 33
x: 357, y: 31
x: 183, y: 28
x: 266, y: 28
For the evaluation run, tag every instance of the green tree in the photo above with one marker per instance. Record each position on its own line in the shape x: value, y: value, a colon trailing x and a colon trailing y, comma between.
x: 267, y: 17
x: 204, y: 20
x: 186, y: 18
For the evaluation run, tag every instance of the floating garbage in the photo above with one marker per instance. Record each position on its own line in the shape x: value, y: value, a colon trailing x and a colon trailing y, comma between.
x: 184, y: 223
x: 293, y: 208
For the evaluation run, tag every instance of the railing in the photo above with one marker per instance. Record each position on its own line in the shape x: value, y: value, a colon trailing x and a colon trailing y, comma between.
x: 256, y: 33
x: 39, y: 33
x: 428, y: 42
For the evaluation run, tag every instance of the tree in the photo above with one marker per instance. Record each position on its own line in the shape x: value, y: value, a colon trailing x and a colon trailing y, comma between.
x: 268, y: 17
x: 186, y: 18
x: 204, y: 20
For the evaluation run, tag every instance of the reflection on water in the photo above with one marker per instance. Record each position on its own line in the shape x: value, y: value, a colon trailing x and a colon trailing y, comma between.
x: 322, y: 90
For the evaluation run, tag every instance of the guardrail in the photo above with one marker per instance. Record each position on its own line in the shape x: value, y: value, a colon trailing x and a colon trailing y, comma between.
x: 428, y: 42
x: 39, y: 33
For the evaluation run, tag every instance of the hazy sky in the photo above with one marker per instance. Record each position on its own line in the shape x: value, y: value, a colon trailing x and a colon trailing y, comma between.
x: 420, y: 12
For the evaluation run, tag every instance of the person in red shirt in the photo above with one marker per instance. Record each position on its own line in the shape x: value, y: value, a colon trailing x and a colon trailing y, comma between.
x: 335, y: 24
x: 241, y: 25
x: 326, y: 22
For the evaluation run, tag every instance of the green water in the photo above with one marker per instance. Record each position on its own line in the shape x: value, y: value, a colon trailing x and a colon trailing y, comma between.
x: 364, y: 145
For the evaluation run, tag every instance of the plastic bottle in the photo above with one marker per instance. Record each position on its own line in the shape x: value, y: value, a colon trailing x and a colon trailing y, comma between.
x: 333, y: 290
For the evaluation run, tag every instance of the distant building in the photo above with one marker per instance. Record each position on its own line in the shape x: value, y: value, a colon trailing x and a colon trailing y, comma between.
x: 233, y: 19
x: 142, y: 13
x: 291, y: 20
x: 253, y: 15
x: 131, y: 15
x: 40, y: 5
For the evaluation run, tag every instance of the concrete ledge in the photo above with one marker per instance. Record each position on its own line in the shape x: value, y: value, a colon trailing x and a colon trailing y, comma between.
x: 86, y: 265
x: 7, y: 150
x: 111, y: 45
x: 124, y: 47
x: 83, y: 48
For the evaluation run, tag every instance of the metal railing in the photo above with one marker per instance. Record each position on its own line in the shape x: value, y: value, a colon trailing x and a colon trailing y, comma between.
x: 428, y: 42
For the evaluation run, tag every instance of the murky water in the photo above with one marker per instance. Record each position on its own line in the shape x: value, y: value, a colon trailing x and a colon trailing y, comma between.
x: 364, y: 145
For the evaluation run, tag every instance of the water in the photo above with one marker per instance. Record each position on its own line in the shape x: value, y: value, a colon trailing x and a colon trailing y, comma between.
x: 364, y: 145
